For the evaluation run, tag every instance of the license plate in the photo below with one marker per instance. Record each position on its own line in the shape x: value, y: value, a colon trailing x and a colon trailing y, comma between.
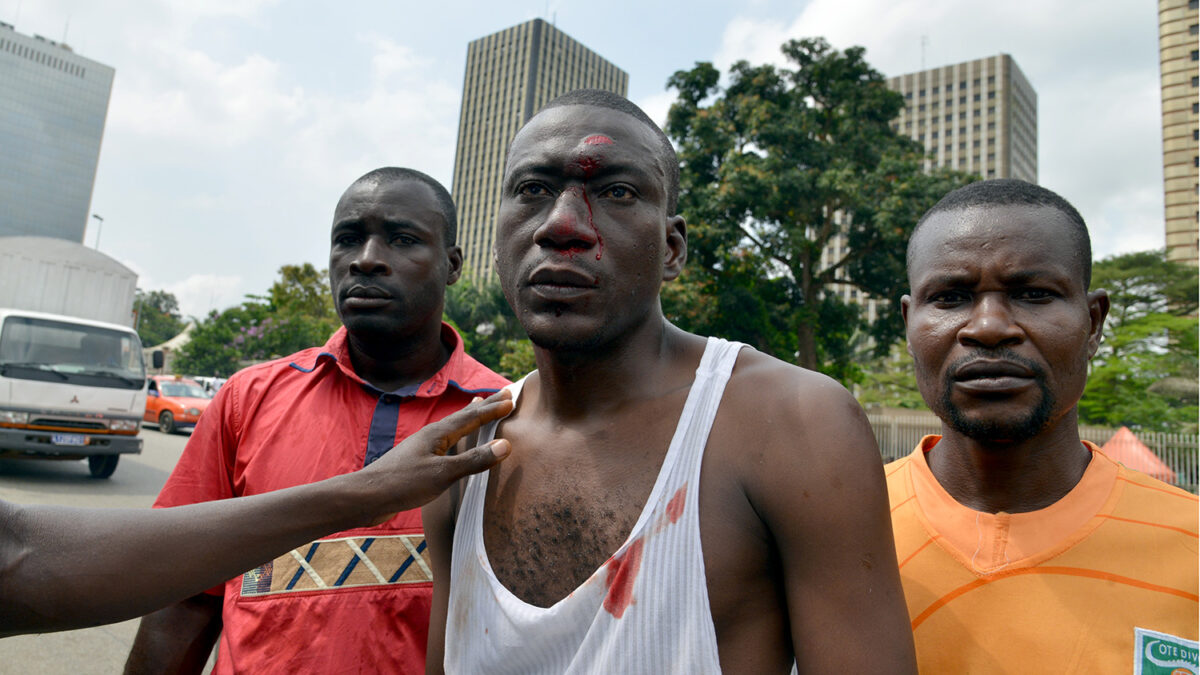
x: 69, y: 439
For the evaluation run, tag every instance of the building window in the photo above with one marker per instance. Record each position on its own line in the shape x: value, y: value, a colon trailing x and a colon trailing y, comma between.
x: 991, y: 95
x: 921, y: 108
x: 976, y: 98
x: 934, y: 135
x: 921, y: 93
x: 962, y: 115
x: 1194, y: 29
x: 950, y: 118
x: 1196, y: 54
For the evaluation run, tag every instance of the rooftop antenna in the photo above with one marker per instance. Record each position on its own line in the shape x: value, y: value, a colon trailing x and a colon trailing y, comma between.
x: 924, y: 44
x: 65, y: 27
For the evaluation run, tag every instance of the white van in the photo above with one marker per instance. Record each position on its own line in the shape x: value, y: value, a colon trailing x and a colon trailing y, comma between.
x: 70, y: 388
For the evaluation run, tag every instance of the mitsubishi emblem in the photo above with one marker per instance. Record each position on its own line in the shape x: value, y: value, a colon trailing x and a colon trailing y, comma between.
x: 74, y: 399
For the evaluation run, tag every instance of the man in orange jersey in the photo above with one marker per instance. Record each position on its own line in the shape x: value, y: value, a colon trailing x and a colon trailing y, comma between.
x: 1022, y: 548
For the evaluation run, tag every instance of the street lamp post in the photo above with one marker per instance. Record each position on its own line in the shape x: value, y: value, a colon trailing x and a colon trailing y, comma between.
x: 100, y: 224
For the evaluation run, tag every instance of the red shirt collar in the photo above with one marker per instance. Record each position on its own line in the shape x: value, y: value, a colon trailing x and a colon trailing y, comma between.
x: 459, y: 370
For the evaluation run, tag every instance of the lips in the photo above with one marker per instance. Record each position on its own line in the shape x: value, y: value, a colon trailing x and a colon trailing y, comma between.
x: 993, y: 376
x: 561, y: 283
x: 367, y: 292
x: 365, y: 297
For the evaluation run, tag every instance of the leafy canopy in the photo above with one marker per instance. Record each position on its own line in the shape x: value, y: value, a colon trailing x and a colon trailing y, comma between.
x: 775, y: 166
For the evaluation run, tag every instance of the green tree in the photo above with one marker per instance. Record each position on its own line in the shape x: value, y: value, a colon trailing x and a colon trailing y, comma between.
x: 488, y: 327
x: 296, y: 313
x: 1145, y: 371
x: 158, y: 316
x: 890, y: 382
x: 773, y: 167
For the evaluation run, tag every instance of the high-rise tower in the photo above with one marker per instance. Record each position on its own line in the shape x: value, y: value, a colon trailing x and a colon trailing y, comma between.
x: 509, y: 76
x: 1179, y: 58
x: 53, y: 104
x: 979, y: 116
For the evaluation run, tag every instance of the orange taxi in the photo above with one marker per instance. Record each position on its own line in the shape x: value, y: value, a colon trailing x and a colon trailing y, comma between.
x: 174, y: 402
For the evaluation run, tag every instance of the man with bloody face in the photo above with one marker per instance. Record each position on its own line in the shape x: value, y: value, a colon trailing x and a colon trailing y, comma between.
x: 1022, y: 548
x: 672, y: 503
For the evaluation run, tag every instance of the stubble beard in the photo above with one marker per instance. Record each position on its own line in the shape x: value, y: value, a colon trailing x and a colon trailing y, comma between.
x: 1014, y: 429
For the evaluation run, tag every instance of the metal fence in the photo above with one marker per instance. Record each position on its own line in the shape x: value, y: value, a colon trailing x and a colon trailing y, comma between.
x: 897, y: 435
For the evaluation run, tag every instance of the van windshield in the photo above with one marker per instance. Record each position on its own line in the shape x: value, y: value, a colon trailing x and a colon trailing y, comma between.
x: 43, y: 349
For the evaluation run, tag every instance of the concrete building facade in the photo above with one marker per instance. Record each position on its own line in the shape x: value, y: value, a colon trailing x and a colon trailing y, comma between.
x: 509, y: 76
x: 979, y: 116
x: 53, y: 105
x: 1179, y: 58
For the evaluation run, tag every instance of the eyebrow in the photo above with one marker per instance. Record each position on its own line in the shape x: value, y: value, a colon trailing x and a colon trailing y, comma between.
x: 539, y: 167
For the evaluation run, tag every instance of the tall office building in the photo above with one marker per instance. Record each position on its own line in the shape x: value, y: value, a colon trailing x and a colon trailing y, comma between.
x: 1178, y: 59
x: 53, y: 104
x: 510, y: 75
x: 979, y: 116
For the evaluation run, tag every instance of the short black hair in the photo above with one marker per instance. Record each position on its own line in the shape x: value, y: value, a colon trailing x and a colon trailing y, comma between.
x: 393, y: 174
x: 601, y: 98
x: 1007, y: 192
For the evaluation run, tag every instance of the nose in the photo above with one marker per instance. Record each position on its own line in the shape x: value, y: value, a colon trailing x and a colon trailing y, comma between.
x: 370, y: 258
x: 568, y: 226
x: 991, y: 323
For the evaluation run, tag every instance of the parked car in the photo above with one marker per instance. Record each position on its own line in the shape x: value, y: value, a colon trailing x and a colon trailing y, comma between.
x: 174, y: 402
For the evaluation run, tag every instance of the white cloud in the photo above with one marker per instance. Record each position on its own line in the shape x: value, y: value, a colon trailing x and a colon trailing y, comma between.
x: 198, y: 294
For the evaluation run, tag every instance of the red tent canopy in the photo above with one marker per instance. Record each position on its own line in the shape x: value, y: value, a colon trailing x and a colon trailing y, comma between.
x: 1125, y: 448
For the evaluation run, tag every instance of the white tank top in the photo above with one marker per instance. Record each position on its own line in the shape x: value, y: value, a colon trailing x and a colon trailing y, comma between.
x: 645, y: 610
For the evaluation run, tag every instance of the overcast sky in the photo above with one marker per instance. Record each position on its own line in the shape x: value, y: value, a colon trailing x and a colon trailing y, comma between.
x: 235, y: 124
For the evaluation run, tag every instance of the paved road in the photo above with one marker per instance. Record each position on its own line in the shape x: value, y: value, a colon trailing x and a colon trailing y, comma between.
x: 134, y: 485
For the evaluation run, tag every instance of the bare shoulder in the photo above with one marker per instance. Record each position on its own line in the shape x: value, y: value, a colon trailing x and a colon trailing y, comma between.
x: 801, y: 410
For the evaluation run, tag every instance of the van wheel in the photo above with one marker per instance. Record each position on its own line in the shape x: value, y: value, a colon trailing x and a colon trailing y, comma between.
x: 102, y: 466
x: 166, y: 422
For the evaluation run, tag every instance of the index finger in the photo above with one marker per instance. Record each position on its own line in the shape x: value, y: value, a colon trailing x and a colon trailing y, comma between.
x: 478, y: 413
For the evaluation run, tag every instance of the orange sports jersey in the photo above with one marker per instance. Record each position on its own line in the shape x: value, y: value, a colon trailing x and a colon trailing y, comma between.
x: 1102, y: 581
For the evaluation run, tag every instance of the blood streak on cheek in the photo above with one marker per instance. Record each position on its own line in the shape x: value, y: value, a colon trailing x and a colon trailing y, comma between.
x: 592, y: 224
x: 622, y: 573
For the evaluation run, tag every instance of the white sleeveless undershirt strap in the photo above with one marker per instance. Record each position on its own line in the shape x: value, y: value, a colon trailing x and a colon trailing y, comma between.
x: 644, y: 611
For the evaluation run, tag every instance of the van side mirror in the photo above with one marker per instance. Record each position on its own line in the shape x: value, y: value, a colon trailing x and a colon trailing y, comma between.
x: 156, y: 359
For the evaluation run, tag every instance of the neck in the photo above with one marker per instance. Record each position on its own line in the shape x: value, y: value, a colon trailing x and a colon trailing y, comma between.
x: 1011, y: 477
x: 574, y: 385
x: 389, y: 363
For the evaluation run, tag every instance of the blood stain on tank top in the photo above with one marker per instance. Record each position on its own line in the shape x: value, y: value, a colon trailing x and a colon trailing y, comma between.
x: 622, y: 573
x: 675, y: 506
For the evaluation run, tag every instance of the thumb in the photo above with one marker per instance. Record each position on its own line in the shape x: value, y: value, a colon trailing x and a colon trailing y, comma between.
x: 478, y: 458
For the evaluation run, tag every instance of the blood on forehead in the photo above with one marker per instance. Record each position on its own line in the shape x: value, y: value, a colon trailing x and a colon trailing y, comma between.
x: 598, y: 139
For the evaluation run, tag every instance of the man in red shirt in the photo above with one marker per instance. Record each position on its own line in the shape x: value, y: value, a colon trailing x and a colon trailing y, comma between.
x: 357, y: 600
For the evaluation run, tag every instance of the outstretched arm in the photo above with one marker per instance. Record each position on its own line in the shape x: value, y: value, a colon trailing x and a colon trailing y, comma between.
x: 63, y: 568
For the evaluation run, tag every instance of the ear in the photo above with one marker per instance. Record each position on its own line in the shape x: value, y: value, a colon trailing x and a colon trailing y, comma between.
x: 676, y: 250
x: 905, y: 303
x: 455, y: 259
x: 1098, y: 304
